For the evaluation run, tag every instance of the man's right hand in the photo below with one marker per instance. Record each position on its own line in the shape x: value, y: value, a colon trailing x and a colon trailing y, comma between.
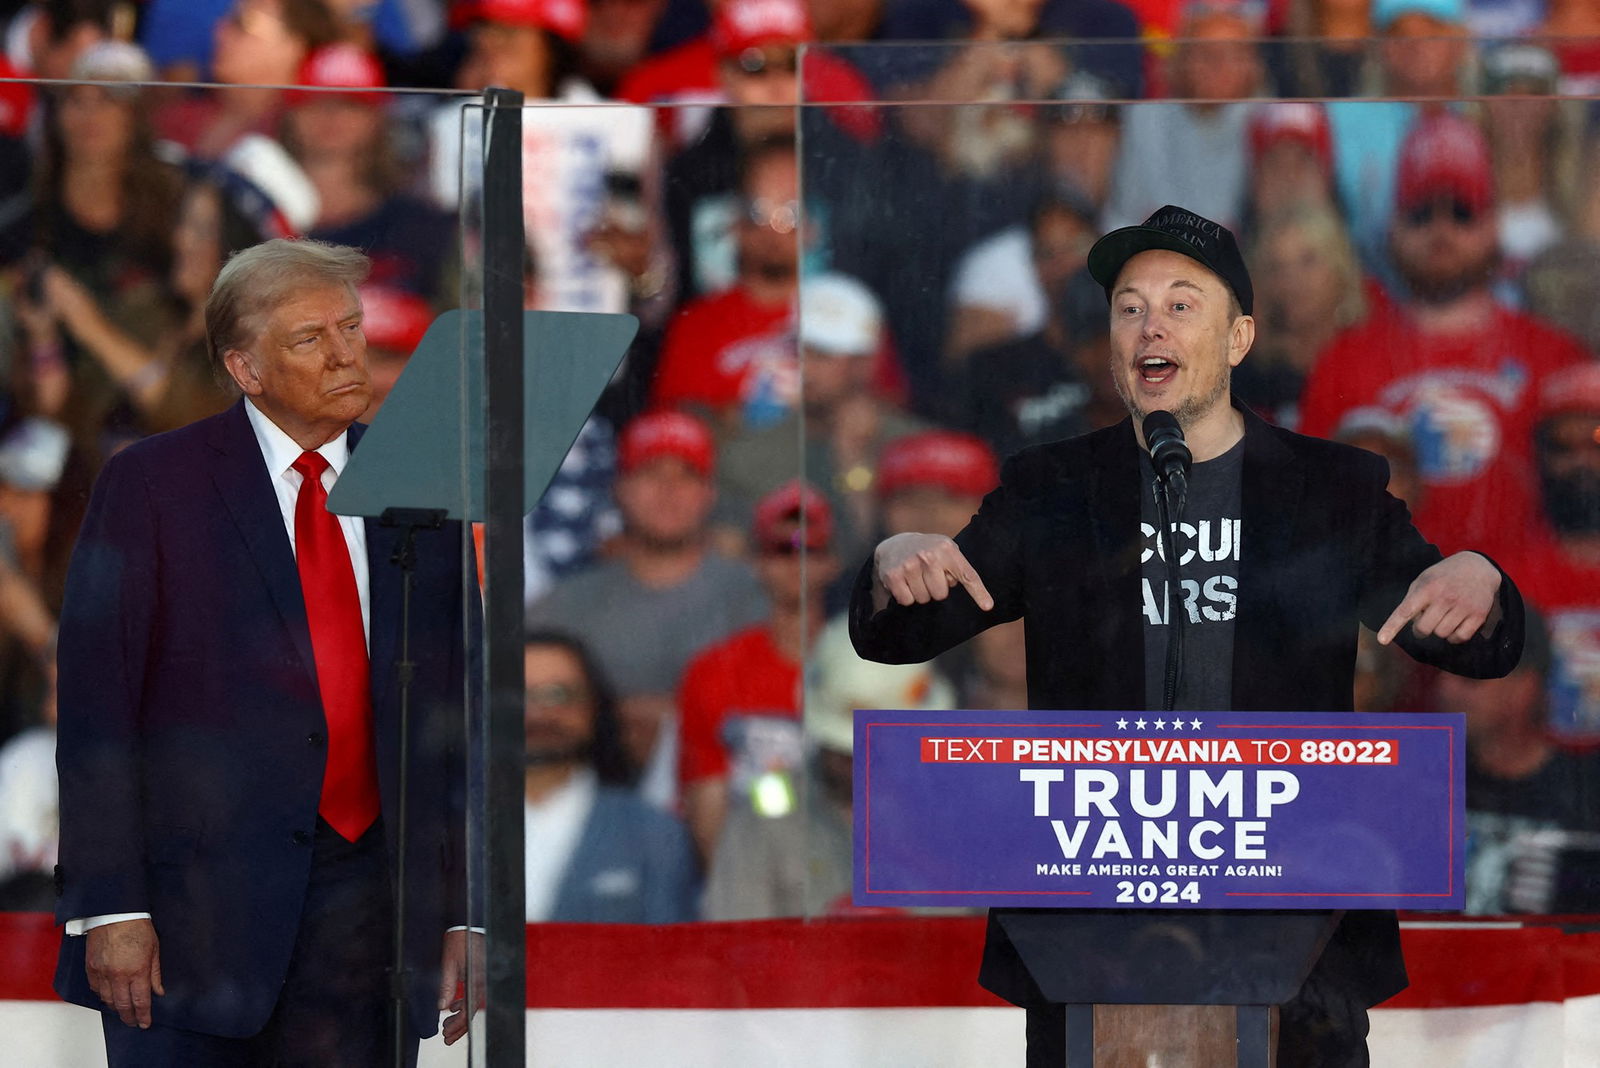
x: 124, y: 964
x: 918, y: 568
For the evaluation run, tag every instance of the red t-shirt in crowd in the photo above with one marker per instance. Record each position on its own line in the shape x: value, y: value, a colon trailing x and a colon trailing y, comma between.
x: 727, y: 350
x: 739, y: 710
x: 1580, y: 64
x: 1468, y: 400
x: 1567, y: 591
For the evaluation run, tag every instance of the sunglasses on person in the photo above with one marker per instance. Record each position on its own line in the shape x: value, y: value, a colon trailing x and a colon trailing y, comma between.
x: 782, y: 218
x: 1073, y: 114
x: 795, y: 548
x: 794, y: 544
x: 255, y: 22
x: 1453, y: 210
x: 1570, y: 438
x: 555, y: 695
x: 756, y: 61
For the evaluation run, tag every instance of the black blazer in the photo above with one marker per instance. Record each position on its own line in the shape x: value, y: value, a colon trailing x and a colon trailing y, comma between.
x: 1324, y: 547
x: 189, y: 742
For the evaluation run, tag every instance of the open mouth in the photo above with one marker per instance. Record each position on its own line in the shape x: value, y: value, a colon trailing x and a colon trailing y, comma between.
x: 1156, y: 370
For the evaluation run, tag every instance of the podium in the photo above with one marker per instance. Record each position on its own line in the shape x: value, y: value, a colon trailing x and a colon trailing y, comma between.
x: 1166, y: 879
x: 1169, y: 987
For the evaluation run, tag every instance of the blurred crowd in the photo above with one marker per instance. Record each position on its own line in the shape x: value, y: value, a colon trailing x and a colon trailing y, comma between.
x: 851, y: 313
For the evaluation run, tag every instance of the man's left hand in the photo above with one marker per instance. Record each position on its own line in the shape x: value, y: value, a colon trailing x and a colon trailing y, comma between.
x: 453, y: 974
x: 1454, y: 599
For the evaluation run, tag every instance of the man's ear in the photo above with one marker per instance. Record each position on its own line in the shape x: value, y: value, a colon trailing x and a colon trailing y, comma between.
x: 1240, y: 337
x: 241, y: 367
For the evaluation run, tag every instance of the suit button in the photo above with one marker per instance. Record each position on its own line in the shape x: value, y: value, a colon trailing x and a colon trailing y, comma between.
x: 315, y: 738
x: 301, y: 838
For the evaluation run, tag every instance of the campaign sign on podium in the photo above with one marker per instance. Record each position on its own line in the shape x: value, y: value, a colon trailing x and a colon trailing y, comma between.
x: 1148, y: 810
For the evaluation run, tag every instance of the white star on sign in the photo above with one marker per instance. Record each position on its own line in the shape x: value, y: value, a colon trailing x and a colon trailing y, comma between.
x: 1139, y: 723
x: 1122, y: 724
x: 1161, y: 724
x: 1195, y: 724
x: 1177, y: 724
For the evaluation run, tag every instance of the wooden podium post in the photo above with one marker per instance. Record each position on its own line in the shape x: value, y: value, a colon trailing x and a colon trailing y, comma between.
x: 1169, y: 988
x: 1136, y: 1036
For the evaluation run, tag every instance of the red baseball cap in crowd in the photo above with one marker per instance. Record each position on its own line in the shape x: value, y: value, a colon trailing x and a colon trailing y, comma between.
x: 16, y: 102
x: 340, y: 66
x: 564, y: 18
x: 393, y: 318
x: 1444, y: 155
x: 650, y: 437
x: 1296, y: 122
x: 1575, y: 389
x: 947, y: 459
x: 792, y: 502
x: 739, y: 25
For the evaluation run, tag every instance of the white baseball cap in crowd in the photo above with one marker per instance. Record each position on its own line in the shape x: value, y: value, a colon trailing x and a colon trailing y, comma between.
x: 838, y: 682
x: 839, y: 316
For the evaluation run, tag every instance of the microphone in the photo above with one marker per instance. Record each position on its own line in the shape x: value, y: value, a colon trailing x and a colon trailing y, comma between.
x: 1168, y: 453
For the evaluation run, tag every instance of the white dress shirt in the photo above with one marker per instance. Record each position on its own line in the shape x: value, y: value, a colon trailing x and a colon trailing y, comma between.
x: 554, y: 826
x: 280, y: 452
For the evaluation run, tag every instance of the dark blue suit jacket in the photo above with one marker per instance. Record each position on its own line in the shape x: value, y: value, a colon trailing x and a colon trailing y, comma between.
x: 190, y: 745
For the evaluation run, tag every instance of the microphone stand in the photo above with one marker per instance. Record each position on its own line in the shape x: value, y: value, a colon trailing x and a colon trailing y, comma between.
x: 1169, y: 456
x: 409, y: 520
x: 1171, y: 492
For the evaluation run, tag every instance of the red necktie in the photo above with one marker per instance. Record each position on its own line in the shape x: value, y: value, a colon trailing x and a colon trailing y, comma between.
x: 333, y: 611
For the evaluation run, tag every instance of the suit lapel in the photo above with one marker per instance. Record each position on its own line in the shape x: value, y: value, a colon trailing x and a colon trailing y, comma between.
x: 1269, y: 499
x: 245, y: 486
x: 1114, y: 516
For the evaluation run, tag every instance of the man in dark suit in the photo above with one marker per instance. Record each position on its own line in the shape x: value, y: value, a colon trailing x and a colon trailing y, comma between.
x: 1289, y: 541
x: 229, y: 728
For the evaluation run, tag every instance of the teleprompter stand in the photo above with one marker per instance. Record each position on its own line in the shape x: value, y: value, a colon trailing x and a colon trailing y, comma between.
x: 1144, y: 987
x: 408, y: 521
x: 437, y: 451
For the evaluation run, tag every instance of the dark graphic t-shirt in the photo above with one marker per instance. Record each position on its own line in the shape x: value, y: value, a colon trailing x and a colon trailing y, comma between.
x: 1207, y: 537
x: 1531, y: 842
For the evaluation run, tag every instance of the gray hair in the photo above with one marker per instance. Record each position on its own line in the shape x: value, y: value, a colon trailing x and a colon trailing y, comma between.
x: 257, y: 279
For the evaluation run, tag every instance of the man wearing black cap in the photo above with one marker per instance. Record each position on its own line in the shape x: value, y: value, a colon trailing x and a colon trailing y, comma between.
x: 1295, y: 542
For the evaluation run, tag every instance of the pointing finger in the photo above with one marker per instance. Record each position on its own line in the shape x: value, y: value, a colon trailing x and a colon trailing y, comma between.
x: 1398, y: 618
x: 974, y: 586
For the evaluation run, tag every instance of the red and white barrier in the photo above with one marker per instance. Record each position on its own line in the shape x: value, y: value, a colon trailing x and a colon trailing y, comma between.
x: 876, y: 990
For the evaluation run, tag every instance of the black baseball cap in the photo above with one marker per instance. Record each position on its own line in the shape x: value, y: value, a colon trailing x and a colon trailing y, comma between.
x: 1177, y: 230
